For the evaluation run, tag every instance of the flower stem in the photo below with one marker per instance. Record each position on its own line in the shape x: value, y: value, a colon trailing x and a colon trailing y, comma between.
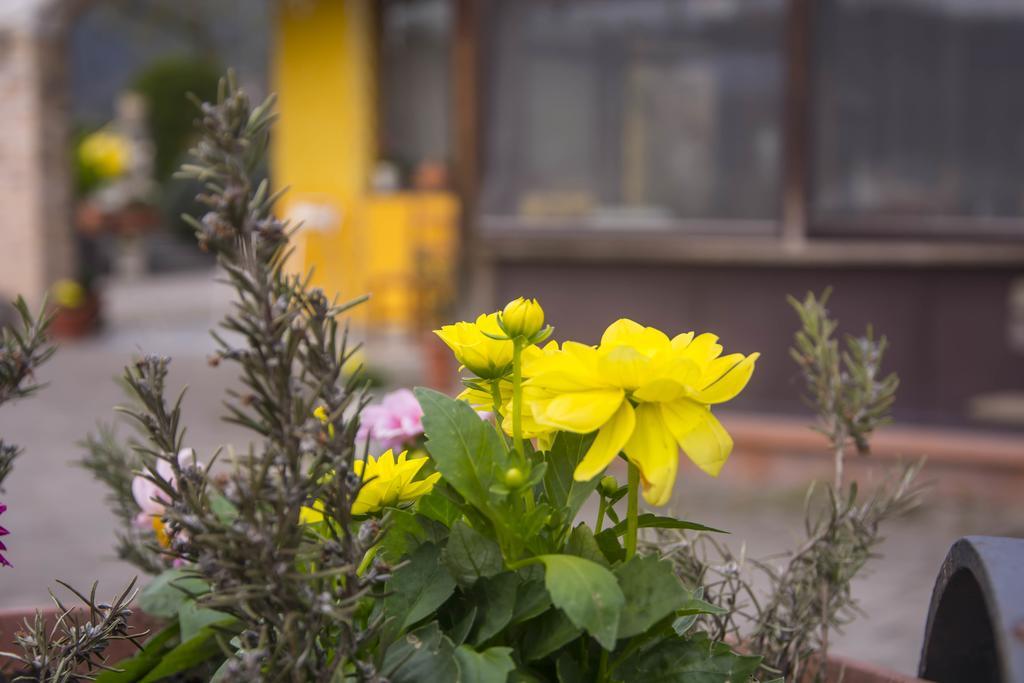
x: 517, y: 414
x: 496, y: 397
x: 602, y: 504
x: 602, y: 672
x: 633, y: 503
x: 517, y: 398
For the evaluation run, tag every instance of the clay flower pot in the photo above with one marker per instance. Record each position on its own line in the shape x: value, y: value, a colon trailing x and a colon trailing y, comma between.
x: 77, y: 322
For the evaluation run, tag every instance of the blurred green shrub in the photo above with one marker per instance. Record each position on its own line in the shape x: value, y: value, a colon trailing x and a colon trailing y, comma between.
x: 166, y: 84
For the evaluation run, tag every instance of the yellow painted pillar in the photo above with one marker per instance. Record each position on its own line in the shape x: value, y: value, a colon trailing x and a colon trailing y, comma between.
x: 324, y: 144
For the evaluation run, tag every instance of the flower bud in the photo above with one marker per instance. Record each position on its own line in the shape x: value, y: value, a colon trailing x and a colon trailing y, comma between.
x: 514, y: 477
x: 523, y: 317
x: 608, y: 485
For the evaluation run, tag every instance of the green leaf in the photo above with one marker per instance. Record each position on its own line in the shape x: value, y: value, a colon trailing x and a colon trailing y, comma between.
x: 194, y: 618
x: 461, y: 628
x: 651, y: 521
x: 697, y: 660
x: 167, y: 592
x: 496, y: 602
x: 493, y: 665
x: 417, y: 589
x: 582, y: 544
x: 568, y: 669
x: 137, y: 666
x: 561, y: 489
x: 403, y: 534
x: 466, y: 450
x: 222, y: 671
x: 222, y: 507
x: 203, y: 647
x: 683, y: 624
x: 532, y: 599
x: 695, y: 605
x: 422, y: 656
x: 470, y: 555
x: 438, y: 507
x: 608, y: 542
x: 652, y: 591
x: 587, y: 593
x: 546, y: 634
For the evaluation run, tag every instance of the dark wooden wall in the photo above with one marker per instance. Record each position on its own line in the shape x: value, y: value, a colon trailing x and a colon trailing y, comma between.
x: 948, y: 328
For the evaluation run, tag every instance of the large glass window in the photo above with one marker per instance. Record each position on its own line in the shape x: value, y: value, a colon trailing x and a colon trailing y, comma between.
x: 415, y: 66
x: 634, y: 114
x: 919, y: 112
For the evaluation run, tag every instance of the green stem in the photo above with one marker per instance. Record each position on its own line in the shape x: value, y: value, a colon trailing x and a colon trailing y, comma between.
x: 517, y: 415
x: 602, y: 672
x: 632, y: 510
x: 602, y: 504
x: 496, y: 397
x: 517, y: 398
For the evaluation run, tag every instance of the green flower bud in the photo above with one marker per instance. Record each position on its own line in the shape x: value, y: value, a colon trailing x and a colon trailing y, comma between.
x: 608, y: 485
x: 523, y: 317
x: 514, y: 477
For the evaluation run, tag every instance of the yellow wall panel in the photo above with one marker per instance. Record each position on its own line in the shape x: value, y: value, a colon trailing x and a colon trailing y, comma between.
x: 324, y: 144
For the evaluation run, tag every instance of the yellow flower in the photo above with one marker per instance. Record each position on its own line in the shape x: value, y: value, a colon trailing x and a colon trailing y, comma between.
x: 387, y: 482
x: 68, y: 293
x: 105, y: 152
x: 485, y: 357
x: 321, y: 414
x: 644, y: 394
x: 161, y: 532
x: 523, y: 317
x: 483, y: 400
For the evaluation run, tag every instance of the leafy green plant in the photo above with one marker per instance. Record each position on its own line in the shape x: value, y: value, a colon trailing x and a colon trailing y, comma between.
x: 302, y: 562
x: 809, y: 595
x: 24, y: 347
x: 166, y: 85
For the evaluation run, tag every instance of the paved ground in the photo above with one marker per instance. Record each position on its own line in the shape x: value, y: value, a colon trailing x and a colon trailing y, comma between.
x: 60, y: 526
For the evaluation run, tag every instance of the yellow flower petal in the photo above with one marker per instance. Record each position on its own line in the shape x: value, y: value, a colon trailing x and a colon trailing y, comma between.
x: 312, y: 514
x: 609, y: 441
x: 654, y: 451
x: 485, y: 357
x: 703, y: 349
x: 580, y: 411
x: 660, y: 390
x: 625, y: 332
x: 626, y: 367
x: 730, y: 375
x: 681, y: 341
x: 699, y: 433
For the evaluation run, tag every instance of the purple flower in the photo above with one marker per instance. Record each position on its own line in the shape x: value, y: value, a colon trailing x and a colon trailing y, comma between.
x: 395, y: 421
x: 3, y: 532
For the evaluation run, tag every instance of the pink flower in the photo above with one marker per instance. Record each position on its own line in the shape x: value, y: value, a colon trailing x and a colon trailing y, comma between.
x: 395, y: 421
x: 149, y: 497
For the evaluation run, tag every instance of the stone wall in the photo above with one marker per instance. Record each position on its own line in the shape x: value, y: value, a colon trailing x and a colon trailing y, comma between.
x: 36, y: 239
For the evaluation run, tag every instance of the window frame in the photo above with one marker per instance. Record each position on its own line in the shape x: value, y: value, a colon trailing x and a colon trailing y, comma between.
x: 796, y: 237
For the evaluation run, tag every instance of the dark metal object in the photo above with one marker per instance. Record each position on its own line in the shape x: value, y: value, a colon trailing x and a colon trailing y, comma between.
x: 976, y: 618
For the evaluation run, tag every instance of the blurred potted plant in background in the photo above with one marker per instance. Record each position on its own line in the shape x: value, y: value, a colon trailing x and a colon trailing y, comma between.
x: 116, y: 192
x: 76, y: 309
x: 114, y: 174
x: 168, y: 87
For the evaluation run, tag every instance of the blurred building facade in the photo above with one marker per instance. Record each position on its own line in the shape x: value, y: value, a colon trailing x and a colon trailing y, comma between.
x: 691, y: 162
x: 684, y: 162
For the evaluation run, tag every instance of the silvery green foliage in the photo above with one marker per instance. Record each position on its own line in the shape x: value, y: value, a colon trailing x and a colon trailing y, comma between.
x: 292, y: 589
x: 809, y: 588
x: 23, y: 348
x: 114, y: 463
x: 844, y: 387
x: 70, y: 648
